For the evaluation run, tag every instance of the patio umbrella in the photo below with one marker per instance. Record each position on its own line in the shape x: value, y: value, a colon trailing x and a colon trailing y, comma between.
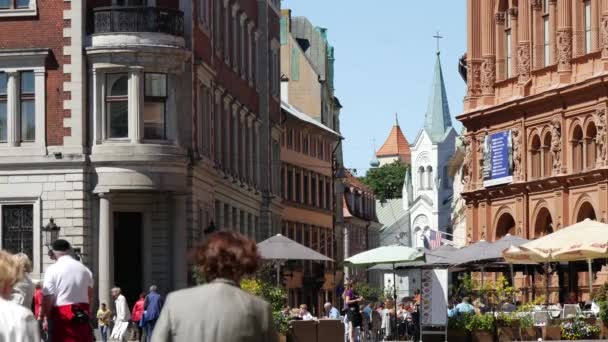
x: 584, y: 240
x: 434, y: 257
x: 390, y: 255
x: 279, y: 247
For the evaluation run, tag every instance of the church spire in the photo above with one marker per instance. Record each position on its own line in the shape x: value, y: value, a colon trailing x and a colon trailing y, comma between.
x: 396, y: 120
x: 437, y: 120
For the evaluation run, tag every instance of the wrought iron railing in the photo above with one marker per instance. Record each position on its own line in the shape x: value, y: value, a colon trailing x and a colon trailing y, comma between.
x: 138, y: 19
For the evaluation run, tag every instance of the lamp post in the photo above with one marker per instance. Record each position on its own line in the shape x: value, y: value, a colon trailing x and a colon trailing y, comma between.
x: 50, y: 233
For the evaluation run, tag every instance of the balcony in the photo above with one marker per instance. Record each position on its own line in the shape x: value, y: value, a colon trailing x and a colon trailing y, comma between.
x: 136, y: 26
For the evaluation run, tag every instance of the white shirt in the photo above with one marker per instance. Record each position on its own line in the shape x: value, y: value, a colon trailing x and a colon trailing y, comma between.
x: 17, y: 324
x: 23, y: 292
x: 307, y: 316
x: 122, y: 309
x: 68, y: 281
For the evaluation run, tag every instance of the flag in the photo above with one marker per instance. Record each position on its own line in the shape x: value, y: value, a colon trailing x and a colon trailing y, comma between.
x: 433, y: 240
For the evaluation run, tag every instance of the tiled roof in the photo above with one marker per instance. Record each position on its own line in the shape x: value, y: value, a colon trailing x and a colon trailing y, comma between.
x: 395, y: 145
x: 389, y: 212
x: 354, y: 182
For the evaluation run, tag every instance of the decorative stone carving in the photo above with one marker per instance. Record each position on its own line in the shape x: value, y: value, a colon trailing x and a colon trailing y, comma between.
x: 473, y: 79
x: 523, y: 62
x: 600, y: 138
x: 516, y: 153
x: 480, y: 157
x: 466, y: 164
x: 499, y: 18
x: 605, y: 37
x: 537, y: 5
x: 488, y: 75
x: 556, y: 144
x: 564, y: 50
x: 513, y: 12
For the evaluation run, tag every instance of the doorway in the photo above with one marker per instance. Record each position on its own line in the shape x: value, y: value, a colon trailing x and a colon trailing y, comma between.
x: 128, y: 250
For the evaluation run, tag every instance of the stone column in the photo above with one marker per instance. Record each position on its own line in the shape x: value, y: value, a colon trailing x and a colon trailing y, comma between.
x: 13, y: 123
x: 104, y: 255
x: 552, y: 30
x: 243, y: 138
x: 250, y: 52
x: 257, y: 158
x: 538, y: 53
x: 514, y: 16
x: 235, y: 142
x: 40, y: 103
x: 501, y: 53
x: 523, y: 48
x: 488, y: 66
x: 474, y: 15
x: 595, y: 24
x: 250, y: 148
x: 604, y: 30
x: 98, y: 120
x: 564, y: 39
x: 136, y: 105
x: 180, y: 237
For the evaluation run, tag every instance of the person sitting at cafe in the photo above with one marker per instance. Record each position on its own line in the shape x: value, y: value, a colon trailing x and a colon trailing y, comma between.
x: 572, y: 298
x: 305, y: 314
x: 465, y: 307
x: 331, y: 312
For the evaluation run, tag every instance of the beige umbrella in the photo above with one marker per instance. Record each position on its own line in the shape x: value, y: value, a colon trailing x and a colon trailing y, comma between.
x: 586, y: 240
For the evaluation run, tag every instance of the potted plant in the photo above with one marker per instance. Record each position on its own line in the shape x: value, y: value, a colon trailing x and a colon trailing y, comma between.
x: 579, y: 329
x: 527, y: 330
x: 482, y: 327
x: 507, y: 327
x: 457, y: 328
x: 600, y: 297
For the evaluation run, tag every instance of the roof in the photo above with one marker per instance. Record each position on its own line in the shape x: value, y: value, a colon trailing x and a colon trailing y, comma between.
x: 389, y: 212
x: 307, y: 119
x: 354, y: 182
x: 395, y: 145
x: 437, y: 119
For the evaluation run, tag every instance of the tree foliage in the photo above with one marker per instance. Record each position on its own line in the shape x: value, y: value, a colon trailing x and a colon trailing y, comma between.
x: 386, y: 181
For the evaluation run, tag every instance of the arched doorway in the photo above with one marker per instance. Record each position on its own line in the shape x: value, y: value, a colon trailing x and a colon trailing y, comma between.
x: 543, y: 224
x: 505, y: 225
x: 586, y: 211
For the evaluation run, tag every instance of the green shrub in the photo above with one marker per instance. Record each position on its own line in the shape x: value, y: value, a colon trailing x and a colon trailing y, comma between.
x: 483, y: 322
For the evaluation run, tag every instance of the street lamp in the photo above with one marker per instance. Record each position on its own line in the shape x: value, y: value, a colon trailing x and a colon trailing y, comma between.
x: 50, y: 233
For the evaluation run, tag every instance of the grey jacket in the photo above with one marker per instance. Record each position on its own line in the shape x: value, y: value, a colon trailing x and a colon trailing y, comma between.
x: 219, y: 311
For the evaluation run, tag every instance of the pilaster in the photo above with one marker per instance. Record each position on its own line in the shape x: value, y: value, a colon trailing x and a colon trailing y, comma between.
x: 136, y: 104
x: 564, y: 39
x: 604, y: 32
x: 12, y: 106
x: 499, y: 20
x: 488, y: 66
x: 523, y: 48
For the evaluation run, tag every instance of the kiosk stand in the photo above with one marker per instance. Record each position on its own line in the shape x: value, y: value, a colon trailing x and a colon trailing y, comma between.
x: 434, y: 302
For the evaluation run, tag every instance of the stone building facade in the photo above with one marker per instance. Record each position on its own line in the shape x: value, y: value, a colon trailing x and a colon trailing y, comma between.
x: 537, y: 69
x: 138, y: 138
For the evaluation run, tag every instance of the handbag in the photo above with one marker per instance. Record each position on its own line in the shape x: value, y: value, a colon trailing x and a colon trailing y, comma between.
x: 80, y: 316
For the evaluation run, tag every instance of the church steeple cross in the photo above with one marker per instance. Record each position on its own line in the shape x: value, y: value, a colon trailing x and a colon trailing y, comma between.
x: 437, y: 36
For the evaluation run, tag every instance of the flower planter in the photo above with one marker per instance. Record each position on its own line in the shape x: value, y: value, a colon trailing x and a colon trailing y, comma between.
x: 282, y: 338
x: 508, y: 334
x: 528, y: 334
x: 458, y: 335
x: 552, y: 333
x: 482, y: 336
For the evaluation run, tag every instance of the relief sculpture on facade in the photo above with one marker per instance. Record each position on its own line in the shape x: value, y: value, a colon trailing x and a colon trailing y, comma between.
x: 488, y: 75
x: 556, y: 145
x: 523, y: 62
x: 605, y: 37
x: 480, y: 144
x: 499, y: 18
x: 537, y: 5
x: 564, y: 49
x: 516, y: 154
x: 466, y: 164
x: 600, y: 138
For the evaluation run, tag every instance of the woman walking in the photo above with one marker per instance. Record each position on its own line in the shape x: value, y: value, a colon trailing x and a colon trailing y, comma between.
x: 352, y: 300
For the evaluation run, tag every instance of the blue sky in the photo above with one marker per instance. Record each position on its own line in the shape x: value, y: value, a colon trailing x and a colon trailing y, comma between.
x: 385, y: 52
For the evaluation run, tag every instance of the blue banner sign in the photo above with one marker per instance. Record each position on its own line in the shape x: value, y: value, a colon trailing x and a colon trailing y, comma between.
x: 498, y: 159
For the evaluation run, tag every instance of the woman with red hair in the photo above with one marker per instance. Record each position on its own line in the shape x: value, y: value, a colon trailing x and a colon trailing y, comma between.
x: 218, y: 310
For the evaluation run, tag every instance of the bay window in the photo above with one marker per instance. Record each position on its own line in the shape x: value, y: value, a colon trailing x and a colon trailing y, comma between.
x: 117, y: 105
x: 27, y: 106
x: 155, y: 90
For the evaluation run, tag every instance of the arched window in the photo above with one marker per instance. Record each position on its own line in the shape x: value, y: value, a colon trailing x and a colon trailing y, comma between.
x: 421, y: 177
x: 547, y: 156
x: 535, y: 151
x: 586, y: 211
x: 505, y: 225
x: 577, y: 149
x: 544, y: 223
x: 590, y: 135
x: 429, y: 181
x: 418, y: 239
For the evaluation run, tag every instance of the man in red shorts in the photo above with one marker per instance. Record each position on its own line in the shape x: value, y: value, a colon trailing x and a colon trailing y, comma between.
x: 68, y: 292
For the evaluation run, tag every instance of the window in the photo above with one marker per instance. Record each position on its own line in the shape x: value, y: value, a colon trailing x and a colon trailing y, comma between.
x: 227, y: 35
x: 155, y: 89
x: 320, y: 150
x: 14, y: 4
x: 18, y: 229
x: 328, y: 194
x: 117, y: 105
x: 217, y: 33
x: 421, y: 177
x: 313, y: 191
x: 305, y: 144
x: 546, y: 35
x: 306, y: 189
x: 204, y: 13
x: 290, y: 138
x: 290, y: 185
x: 298, y: 188
x: 27, y: 106
x: 321, y: 197
x: 3, y: 109
x: 509, y: 52
x: 235, y: 40
x: 587, y: 26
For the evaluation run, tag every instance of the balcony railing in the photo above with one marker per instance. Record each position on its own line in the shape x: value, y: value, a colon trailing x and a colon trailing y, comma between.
x: 138, y: 19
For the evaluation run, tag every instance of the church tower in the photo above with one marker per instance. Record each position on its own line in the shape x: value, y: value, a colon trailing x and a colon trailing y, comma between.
x: 434, y: 146
x: 396, y: 147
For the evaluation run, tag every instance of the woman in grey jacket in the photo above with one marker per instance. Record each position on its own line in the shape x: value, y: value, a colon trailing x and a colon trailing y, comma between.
x: 218, y: 310
x: 23, y: 291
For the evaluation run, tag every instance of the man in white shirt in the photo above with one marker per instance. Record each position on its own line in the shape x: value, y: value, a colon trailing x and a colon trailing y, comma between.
x: 123, y: 315
x: 68, y: 292
x: 305, y: 314
x: 17, y: 324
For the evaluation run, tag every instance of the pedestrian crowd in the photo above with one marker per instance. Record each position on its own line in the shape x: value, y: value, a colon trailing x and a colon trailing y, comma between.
x: 60, y: 307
